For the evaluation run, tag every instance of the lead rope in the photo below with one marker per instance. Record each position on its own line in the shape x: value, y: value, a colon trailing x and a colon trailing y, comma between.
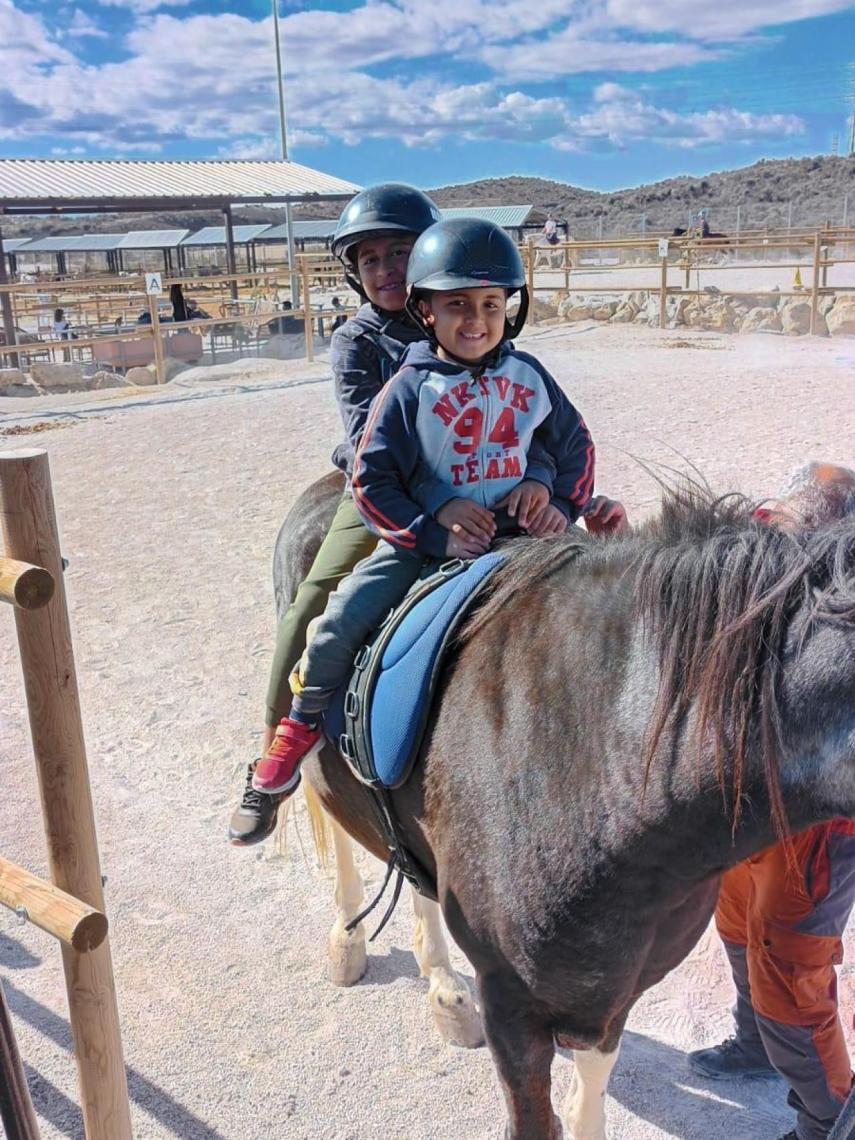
x: 392, y: 866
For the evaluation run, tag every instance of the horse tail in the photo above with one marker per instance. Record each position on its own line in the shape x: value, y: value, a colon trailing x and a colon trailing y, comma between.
x: 322, y: 835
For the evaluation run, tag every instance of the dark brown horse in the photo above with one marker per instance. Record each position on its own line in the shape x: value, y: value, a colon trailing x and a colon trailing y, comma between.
x: 623, y: 720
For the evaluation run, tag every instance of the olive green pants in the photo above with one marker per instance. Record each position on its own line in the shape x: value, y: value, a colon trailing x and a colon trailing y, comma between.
x: 347, y: 542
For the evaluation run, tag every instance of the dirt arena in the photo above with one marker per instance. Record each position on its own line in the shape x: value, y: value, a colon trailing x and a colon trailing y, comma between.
x: 169, y: 503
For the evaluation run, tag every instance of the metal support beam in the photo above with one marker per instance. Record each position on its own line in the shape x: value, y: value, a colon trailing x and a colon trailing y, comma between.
x: 6, y: 308
x: 230, y: 250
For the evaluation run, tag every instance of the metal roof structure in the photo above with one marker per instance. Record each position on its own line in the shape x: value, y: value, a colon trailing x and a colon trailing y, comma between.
x: 11, y: 245
x: 509, y: 217
x: 314, y: 230
x: 67, y: 243
x: 216, y: 235
x: 43, y: 185
x: 153, y: 239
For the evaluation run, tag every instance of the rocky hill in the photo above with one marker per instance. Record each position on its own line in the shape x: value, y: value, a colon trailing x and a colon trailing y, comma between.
x: 774, y: 192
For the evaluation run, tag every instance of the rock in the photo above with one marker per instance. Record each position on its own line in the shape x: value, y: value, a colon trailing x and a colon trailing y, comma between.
x: 12, y: 376
x: 624, y: 314
x: 573, y: 309
x: 58, y: 377
x: 638, y: 298
x: 841, y: 319
x: 23, y: 387
x: 763, y: 318
x: 605, y: 311
x: 141, y: 377
x: 683, y: 303
x: 172, y: 367
x: 720, y: 317
x: 826, y: 303
x: 539, y: 310
x: 105, y: 379
x: 795, y: 318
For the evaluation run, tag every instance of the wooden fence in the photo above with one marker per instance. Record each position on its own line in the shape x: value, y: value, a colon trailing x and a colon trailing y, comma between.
x: 71, y: 906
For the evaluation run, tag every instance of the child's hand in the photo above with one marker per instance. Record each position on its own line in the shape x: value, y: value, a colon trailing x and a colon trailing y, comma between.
x: 549, y: 522
x: 605, y: 516
x: 526, y: 502
x: 471, y: 524
x: 463, y: 546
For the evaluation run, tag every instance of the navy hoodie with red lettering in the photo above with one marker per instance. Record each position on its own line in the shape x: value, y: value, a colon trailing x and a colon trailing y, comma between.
x: 365, y: 352
x: 438, y: 432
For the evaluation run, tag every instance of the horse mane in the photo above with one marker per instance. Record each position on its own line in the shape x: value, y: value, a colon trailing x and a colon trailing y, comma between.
x: 718, y: 590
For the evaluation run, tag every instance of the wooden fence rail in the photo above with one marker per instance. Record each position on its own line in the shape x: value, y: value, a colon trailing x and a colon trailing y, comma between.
x: 44, y: 639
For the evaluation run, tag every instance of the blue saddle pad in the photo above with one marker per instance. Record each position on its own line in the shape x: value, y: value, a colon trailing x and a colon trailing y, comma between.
x: 379, y: 720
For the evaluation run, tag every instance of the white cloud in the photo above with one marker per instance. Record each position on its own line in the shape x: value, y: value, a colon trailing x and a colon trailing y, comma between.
x: 82, y: 25
x: 722, y: 21
x: 620, y: 116
x: 570, y: 52
x: 212, y: 77
x: 143, y: 5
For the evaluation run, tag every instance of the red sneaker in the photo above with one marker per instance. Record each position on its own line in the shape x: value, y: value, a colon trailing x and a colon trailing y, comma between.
x: 278, y: 771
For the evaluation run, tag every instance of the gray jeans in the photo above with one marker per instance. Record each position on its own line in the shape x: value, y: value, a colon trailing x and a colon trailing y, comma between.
x: 354, y: 610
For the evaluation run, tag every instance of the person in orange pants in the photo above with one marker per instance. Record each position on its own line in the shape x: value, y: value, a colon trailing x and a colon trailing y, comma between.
x: 782, y: 918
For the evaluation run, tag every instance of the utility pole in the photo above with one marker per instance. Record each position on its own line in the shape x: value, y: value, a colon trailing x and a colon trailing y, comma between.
x: 289, y: 226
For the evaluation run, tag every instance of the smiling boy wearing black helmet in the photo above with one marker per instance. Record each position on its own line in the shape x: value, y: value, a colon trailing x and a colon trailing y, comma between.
x: 445, y: 460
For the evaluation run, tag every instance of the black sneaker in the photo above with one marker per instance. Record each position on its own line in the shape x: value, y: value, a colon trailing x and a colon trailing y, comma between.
x: 255, y: 817
x: 791, y: 1136
x: 729, y: 1059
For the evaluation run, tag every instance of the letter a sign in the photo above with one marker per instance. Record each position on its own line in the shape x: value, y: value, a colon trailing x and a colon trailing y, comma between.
x: 153, y: 283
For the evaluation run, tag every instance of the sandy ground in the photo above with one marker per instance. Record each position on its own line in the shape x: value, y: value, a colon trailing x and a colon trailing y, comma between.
x: 169, y: 503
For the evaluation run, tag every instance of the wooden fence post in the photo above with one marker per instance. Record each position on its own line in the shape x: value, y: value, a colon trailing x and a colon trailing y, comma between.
x: 566, y: 267
x: 44, y: 637
x: 814, y: 289
x: 17, y: 1114
x: 307, y: 309
x: 159, y: 369
x: 663, y: 293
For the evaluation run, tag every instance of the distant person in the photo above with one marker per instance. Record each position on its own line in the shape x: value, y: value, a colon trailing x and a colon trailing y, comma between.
x: 341, y: 318
x: 285, y: 326
x: 180, y: 308
x: 550, y: 230
x: 61, y: 327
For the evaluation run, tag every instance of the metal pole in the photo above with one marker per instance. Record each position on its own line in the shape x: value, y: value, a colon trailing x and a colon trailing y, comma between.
x: 845, y: 210
x: 6, y: 309
x: 289, y: 227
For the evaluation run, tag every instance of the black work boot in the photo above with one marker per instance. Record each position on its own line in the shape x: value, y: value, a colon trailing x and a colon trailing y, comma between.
x: 729, y: 1059
x: 255, y: 817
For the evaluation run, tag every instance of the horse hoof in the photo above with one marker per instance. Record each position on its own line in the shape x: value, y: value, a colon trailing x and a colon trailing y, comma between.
x: 454, y: 1012
x: 348, y: 958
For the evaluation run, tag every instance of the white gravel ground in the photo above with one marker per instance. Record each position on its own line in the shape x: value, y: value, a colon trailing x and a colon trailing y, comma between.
x: 169, y: 502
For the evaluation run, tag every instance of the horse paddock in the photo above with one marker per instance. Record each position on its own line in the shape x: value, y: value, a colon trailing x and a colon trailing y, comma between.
x: 169, y: 501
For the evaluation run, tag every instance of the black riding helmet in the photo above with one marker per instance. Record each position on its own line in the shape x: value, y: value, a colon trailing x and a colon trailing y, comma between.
x: 466, y: 253
x: 380, y: 211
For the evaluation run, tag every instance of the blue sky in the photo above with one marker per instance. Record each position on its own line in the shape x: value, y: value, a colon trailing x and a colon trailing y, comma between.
x: 599, y: 93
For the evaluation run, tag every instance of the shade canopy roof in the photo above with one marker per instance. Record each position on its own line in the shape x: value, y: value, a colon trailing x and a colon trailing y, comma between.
x: 44, y: 185
x: 65, y: 243
x: 216, y: 235
x: 509, y: 217
x: 314, y: 229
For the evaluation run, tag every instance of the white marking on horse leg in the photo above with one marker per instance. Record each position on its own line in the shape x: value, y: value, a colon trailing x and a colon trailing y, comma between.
x: 584, y: 1112
x: 348, y: 959
x: 454, y: 1012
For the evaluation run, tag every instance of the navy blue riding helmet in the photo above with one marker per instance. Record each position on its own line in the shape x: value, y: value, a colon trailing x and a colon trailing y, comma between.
x: 466, y: 253
x: 380, y: 211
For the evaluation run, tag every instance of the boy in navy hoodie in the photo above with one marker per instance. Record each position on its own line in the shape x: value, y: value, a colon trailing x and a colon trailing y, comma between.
x: 444, y: 462
x: 373, y: 240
